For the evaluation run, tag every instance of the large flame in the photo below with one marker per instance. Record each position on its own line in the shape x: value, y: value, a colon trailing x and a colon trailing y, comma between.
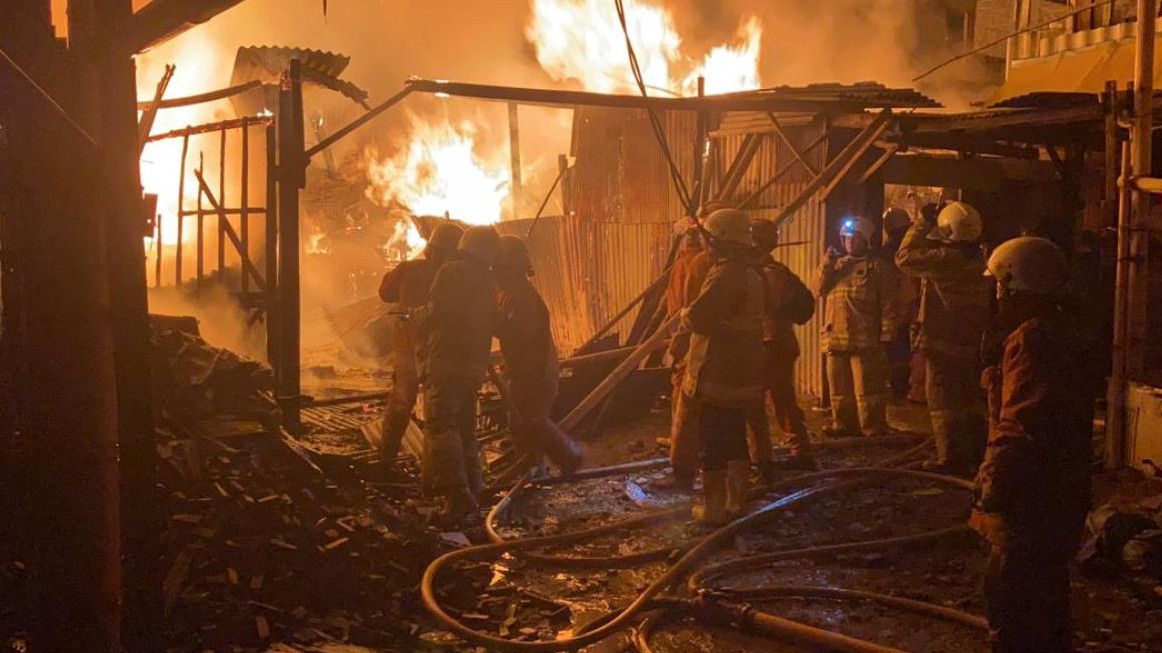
x: 582, y: 40
x: 405, y: 242
x: 438, y: 171
x: 199, y: 62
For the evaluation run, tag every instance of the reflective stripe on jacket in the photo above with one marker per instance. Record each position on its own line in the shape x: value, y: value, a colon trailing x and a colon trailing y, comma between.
x: 860, y: 306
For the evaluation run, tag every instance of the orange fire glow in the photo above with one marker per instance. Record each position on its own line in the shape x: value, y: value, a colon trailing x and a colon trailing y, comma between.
x: 438, y: 171
x: 405, y: 243
x: 582, y: 40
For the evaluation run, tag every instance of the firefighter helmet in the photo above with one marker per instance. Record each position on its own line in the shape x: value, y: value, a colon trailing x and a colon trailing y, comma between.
x: 958, y: 222
x: 729, y: 226
x: 765, y: 234
x: 1028, y: 264
x: 480, y: 243
x: 513, y: 254
x: 895, y: 219
x: 446, y: 236
x: 854, y: 225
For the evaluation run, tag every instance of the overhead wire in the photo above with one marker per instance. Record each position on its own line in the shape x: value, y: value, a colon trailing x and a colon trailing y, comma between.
x: 47, y: 97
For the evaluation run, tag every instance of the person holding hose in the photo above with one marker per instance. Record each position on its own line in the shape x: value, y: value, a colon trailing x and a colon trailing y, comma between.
x: 460, y: 322
x: 787, y: 301
x: 407, y: 286
x: 955, y: 304
x: 530, y: 360
x: 724, y: 364
x: 1033, y: 488
x: 685, y: 281
x: 860, y: 293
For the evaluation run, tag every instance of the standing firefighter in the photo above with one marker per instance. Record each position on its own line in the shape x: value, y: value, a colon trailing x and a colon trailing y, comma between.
x: 530, y: 359
x: 460, y: 324
x: 955, y: 303
x: 860, y: 293
x: 1033, y: 489
x: 787, y: 301
x: 685, y: 282
x: 724, y: 365
x: 408, y: 286
x: 895, y: 224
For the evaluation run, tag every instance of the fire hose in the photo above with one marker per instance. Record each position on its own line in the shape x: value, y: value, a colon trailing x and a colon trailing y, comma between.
x: 650, y: 599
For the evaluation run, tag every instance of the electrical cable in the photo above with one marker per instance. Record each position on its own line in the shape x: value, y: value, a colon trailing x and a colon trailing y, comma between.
x: 47, y: 97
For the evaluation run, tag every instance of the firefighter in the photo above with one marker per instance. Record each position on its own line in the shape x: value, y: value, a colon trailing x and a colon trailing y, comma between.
x: 1033, y: 488
x: 955, y: 304
x: 460, y: 321
x: 895, y: 224
x: 407, y: 286
x: 724, y: 363
x: 787, y: 301
x: 859, y: 291
x: 530, y: 360
x: 685, y: 282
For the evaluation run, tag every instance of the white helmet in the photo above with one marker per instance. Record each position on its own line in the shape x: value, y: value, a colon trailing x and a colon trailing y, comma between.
x: 1028, y: 264
x: 729, y: 226
x: 958, y: 223
x: 851, y: 226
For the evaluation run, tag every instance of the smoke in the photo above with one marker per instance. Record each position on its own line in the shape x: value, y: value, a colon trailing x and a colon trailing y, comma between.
x: 221, y: 321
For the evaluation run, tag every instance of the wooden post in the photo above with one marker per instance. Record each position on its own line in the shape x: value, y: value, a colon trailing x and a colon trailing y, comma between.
x: 292, y: 165
x: 177, y: 257
x: 200, y: 256
x: 1116, y: 395
x: 58, y: 327
x: 515, y: 188
x: 222, y: 201
x: 1110, y: 195
x: 1141, y: 164
x: 244, y: 201
x: 270, y: 244
x: 566, y: 185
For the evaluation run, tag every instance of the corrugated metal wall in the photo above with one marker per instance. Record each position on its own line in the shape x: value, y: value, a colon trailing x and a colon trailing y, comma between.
x: 808, y: 224
x: 588, y: 271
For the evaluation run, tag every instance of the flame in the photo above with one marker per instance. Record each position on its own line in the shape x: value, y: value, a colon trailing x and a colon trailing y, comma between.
x: 405, y: 243
x: 582, y: 40
x: 729, y: 69
x: 200, y: 67
x: 317, y: 242
x: 438, y: 171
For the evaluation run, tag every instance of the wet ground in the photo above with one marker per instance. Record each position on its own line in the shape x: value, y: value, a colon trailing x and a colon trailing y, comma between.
x: 1111, y: 614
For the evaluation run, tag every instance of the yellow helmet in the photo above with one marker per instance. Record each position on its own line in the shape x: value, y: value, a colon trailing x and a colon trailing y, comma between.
x: 958, y: 222
x: 729, y: 226
x: 446, y: 236
x: 1028, y: 264
x: 480, y: 243
x: 513, y: 254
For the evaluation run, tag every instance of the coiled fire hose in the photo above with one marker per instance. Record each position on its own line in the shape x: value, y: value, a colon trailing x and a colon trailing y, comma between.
x: 649, y: 598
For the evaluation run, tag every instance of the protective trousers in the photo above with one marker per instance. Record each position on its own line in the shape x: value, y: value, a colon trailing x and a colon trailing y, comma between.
x: 779, y: 381
x: 723, y: 435
x: 451, y: 455
x: 858, y: 390
x: 533, y: 430
x: 952, y: 387
x: 1027, y: 589
x: 405, y: 385
x: 685, y: 443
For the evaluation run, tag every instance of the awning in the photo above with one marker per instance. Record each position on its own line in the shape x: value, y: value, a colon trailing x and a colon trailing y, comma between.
x: 1073, y: 71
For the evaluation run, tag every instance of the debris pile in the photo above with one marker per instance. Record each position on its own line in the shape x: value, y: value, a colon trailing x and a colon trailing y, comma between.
x: 262, y: 548
x: 193, y: 378
x: 1126, y: 541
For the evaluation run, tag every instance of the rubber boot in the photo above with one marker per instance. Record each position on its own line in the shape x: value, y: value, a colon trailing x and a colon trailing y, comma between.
x: 462, y: 509
x: 712, y: 510
x: 737, y: 486
x: 675, y: 483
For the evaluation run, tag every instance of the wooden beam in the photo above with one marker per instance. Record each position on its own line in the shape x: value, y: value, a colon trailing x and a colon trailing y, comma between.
x: 889, y: 152
x: 854, y: 158
x: 783, y: 170
x: 790, y: 146
x: 228, y: 229
x: 746, y: 153
x: 200, y: 98
x: 149, y: 112
x: 161, y: 20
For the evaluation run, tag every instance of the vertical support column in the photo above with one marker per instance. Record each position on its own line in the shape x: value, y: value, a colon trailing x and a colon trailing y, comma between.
x: 181, y: 206
x: 270, y: 244
x: 699, y: 180
x: 566, y: 185
x: 1142, y: 145
x: 244, y: 203
x: 200, y: 257
x: 1112, y: 150
x: 223, y: 203
x: 292, y: 168
x: 1116, y: 393
x: 516, y: 188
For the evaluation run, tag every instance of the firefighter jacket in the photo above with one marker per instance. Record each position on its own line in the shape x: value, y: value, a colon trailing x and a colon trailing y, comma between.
x: 724, y: 366
x: 1035, y: 474
x: 408, y: 283
x: 686, y: 279
x: 955, y: 296
x: 860, y: 303
x: 786, y: 300
x: 458, y: 323
x: 530, y: 356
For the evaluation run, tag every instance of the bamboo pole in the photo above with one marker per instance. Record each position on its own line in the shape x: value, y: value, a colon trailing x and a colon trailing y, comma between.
x: 1141, y: 164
